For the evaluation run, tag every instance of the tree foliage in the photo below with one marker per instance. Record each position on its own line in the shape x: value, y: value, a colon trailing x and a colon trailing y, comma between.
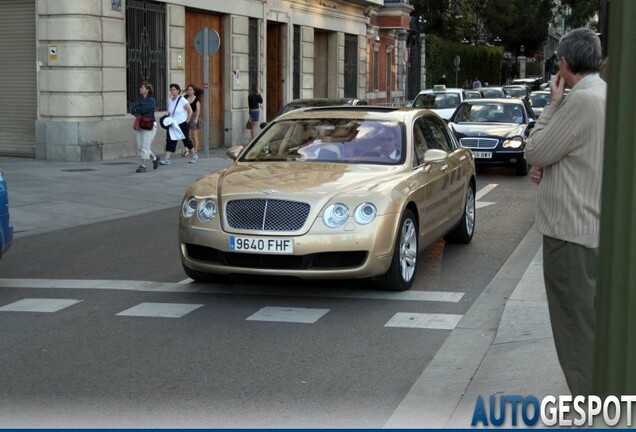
x: 481, y: 61
x: 581, y: 11
x: 519, y: 22
x: 515, y: 22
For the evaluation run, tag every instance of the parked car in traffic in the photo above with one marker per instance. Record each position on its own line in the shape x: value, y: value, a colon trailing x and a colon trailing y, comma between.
x: 6, y: 229
x: 533, y: 83
x: 492, y: 92
x: 516, y: 91
x: 331, y: 193
x: 472, y: 94
x: 318, y: 102
x: 440, y: 99
x: 495, y: 130
x: 538, y: 100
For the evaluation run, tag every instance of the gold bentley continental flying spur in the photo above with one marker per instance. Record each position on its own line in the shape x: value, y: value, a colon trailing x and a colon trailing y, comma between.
x: 332, y: 193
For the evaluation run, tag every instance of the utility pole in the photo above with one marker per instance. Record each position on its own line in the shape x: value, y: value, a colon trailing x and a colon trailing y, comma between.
x: 615, y: 345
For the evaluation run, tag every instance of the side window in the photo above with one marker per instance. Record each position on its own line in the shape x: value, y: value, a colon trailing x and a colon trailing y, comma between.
x: 440, y: 134
x: 420, y: 134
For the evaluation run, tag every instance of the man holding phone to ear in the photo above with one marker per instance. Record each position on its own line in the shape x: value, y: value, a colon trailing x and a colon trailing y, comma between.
x: 565, y: 149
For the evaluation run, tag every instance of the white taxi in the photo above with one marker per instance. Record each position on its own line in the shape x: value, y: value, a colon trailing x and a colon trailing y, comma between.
x: 440, y: 99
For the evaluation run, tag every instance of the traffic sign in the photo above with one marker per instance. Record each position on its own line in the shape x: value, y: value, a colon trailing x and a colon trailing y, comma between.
x: 210, y: 36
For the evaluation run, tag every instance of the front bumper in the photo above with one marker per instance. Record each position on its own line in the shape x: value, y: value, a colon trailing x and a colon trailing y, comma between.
x: 350, y: 252
x: 501, y: 157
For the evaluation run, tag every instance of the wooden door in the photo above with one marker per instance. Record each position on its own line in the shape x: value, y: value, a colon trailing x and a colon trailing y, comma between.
x: 274, y: 89
x: 196, y: 20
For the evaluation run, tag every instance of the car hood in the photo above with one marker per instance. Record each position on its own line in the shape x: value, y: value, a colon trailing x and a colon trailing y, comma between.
x: 503, y: 130
x: 444, y: 113
x: 316, y: 183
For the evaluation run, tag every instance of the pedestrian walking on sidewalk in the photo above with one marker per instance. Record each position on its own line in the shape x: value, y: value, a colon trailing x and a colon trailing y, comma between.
x: 565, y: 150
x: 193, y: 95
x: 254, y: 102
x: 145, y: 107
x: 180, y: 113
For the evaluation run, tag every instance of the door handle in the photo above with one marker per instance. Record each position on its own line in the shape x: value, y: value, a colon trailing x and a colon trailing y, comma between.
x: 444, y: 168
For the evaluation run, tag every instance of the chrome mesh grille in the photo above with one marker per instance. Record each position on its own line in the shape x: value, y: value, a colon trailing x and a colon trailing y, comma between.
x: 266, y: 214
x: 480, y: 143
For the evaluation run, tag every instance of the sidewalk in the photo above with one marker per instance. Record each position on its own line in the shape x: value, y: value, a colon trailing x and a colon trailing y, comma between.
x: 502, y: 346
x: 47, y: 196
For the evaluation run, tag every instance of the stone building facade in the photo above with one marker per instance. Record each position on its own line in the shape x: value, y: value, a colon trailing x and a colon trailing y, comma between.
x: 73, y: 68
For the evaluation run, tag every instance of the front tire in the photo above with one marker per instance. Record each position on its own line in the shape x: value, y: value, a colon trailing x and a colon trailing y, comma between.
x: 521, y: 168
x: 463, y: 232
x: 401, y: 274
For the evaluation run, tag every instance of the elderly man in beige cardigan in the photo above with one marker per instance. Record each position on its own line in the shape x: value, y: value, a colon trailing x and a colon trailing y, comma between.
x: 565, y: 150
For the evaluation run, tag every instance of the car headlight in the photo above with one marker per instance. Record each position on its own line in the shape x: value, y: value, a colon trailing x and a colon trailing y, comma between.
x: 514, y: 143
x: 365, y: 213
x: 189, y: 207
x: 206, y: 210
x: 336, y: 215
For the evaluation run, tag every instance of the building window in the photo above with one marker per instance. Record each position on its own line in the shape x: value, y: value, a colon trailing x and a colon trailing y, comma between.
x: 253, y: 53
x: 376, y: 70
x: 145, y: 49
x: 389, y: 74
x: 297, y: 54
x: 351, y: 66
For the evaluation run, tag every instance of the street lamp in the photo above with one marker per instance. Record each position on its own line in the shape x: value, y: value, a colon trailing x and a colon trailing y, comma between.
x: 522, y: 48
x: 497, y: 40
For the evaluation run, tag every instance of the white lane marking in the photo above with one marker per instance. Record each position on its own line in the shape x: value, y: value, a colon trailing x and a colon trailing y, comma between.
x: 424, y: 321
x: 160, y: 310
x: 483, y: 191
x: 288, y: 314
x: 481, y: 204
x: 39, y: 305
x: 431, y: 296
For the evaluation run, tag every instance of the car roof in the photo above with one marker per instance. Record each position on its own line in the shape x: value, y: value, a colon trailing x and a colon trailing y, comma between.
x: 514, y: 101
x: 360, y: 112
x: 448, y: 90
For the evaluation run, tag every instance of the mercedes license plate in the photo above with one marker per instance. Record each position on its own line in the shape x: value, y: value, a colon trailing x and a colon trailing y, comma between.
x: 269, y: 245
x: 482, y: 155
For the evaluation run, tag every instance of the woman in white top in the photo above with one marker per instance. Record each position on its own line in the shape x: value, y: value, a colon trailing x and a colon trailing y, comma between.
x: 179, y: 109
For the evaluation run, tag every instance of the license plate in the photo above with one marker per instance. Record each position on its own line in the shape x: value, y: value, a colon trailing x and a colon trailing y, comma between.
x: 261, y: 245
x: 482, y: 155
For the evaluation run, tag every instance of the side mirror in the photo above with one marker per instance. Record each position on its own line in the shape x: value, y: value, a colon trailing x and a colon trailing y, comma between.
x: 435, y: 156
x: 234, y: 152
x: 263, y: 125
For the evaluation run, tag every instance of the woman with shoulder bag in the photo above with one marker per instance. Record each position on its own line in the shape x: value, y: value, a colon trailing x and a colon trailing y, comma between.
x: 144, y: 111
x: 254, y: 102
x: 193, y: 95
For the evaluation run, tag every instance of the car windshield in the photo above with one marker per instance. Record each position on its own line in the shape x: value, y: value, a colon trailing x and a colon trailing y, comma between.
x: 355, y: 141
x: 489, y: 113
x: 540, y: 100
x: 493, y: 93
x: 436, y: 100
x: 516, y: 91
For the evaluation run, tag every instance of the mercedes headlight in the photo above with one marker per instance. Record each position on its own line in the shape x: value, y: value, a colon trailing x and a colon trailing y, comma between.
x: 514, y: 143
x: 336, y: 215
x: 365, y: 213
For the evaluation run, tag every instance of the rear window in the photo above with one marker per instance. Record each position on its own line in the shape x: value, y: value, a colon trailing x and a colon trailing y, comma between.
x: 437, y: 100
